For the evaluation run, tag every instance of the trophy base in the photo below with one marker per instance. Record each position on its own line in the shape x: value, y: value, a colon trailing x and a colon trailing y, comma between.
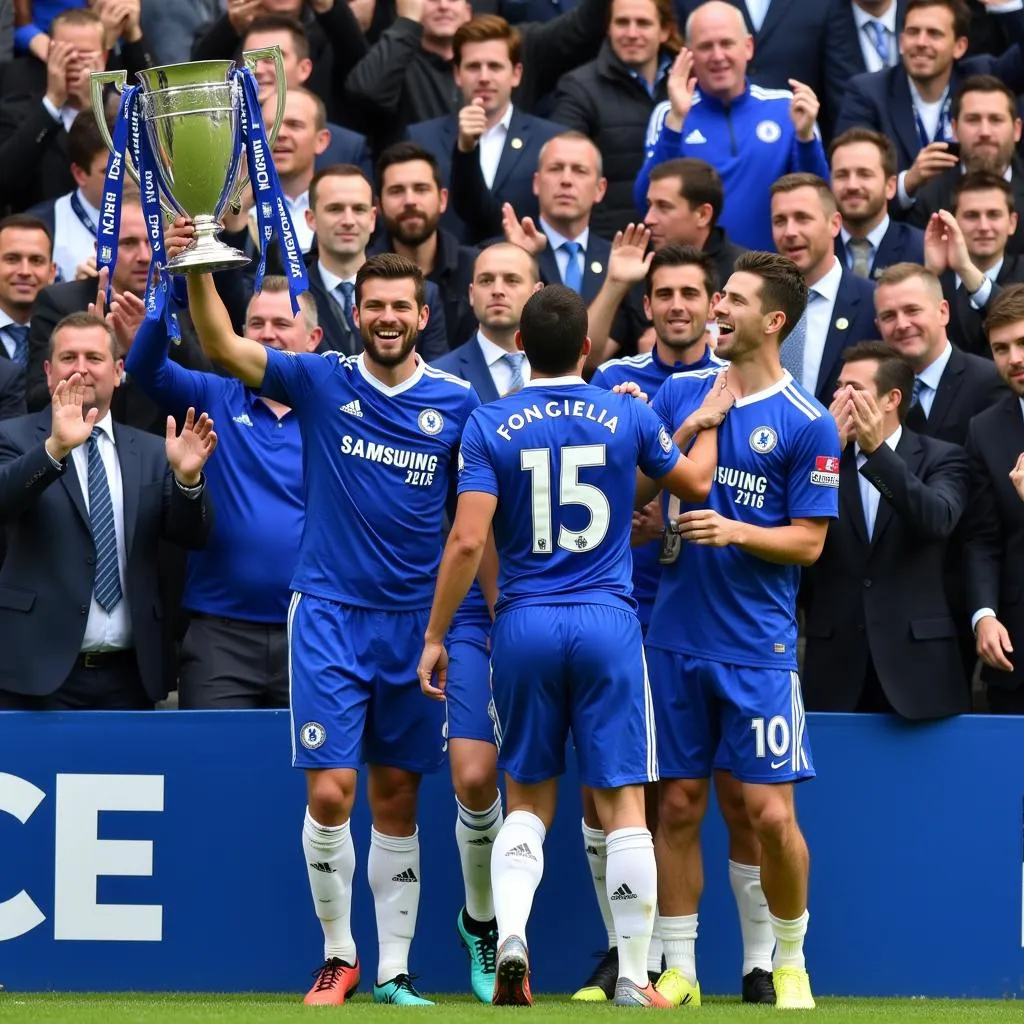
x: 209, y: 254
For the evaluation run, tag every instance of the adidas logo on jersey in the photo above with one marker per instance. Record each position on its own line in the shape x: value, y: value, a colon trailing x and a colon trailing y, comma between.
x: 522, y: 850
x: 482, y: 841
x: 322, y: 866
x: 695, y: 137
x: 353, y: 408
x: 243, y: 419
x: 623, y: 893
x: 408, y: 875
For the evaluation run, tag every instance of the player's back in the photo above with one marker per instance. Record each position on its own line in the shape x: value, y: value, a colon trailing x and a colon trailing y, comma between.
x: 562, y: 456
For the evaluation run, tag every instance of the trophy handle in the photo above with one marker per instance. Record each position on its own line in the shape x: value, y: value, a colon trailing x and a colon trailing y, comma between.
x: 98, y: 81
x: 251, y: 58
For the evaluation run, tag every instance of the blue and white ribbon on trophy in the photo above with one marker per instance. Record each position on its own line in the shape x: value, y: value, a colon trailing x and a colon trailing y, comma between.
x: 271, y: 208
x: 130, y: 138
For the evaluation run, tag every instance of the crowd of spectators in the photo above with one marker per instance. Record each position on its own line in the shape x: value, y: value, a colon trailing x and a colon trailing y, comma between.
x: 876, y: 143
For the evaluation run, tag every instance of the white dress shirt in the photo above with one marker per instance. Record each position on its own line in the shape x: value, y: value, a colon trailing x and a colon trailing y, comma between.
x: 758, y: 11
x: 73, y: 241
x: 556, y: 240
x: 331, y: 283
x: 491, y: 146
x: 869, y: 493
x: 106, y: 631
x: 930, y: 377
x: 819, y: 318
x: 979, y: 299
x: 66, y: 115
x: 861, y: 18
x: 873, y: 237
x: 501, y: 372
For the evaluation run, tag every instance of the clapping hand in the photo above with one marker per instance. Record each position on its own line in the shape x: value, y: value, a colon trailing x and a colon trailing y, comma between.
x: 127, y: 311
x: 868, y: 421
x: 803, y: 110
x: 1017, y: 477
x: 523, y: 233
x: 681, y: 85
x: 188, y: 451
x: 70, y: 424
x: 629, y: 261
x: 842, y: 412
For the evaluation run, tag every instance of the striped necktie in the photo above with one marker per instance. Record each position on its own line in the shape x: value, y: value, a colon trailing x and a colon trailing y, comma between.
x: 107, y: 586
x: 514, y: 361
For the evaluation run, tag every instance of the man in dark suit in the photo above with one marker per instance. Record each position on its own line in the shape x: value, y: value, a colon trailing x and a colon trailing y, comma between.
x: 994, y: 551
x: 568, y: 184
x: 988, y: 127
x: 26, y: 269
x: 880, y: 632
x: 488, y: 151
x: 411, y: 202
x: 342, y: 216
x: 872, y: 28
x: 863, y: 165
x: 345, y: 146
x: 968, y: 254
x: 805, y: 223
x: 793, y: 39
x: 85, y: 503
x: 911, y: 102
x: 129, y: 405
x: 38, y: 103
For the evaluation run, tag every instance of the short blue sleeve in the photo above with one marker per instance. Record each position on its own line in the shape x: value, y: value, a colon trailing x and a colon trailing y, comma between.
x: 812, y: 488
x: 292, y: 377
x: 476, y: 465
x: 599, y: 380
x: 658, y: 452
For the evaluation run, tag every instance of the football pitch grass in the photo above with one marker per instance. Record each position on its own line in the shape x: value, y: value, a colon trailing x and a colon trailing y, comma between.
x: 256, y: 1009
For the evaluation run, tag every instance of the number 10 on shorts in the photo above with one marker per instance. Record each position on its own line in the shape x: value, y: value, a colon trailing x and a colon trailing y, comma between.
x: 776, y: 736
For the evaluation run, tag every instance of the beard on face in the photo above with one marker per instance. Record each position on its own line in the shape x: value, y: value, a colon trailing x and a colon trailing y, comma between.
x: 399, y: 228
x: 993, y: 160
x: 388, y: 358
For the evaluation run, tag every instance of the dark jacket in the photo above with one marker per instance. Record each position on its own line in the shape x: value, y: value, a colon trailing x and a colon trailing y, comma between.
x: 47, y: 577
x: 604, y: 100
x: 965, y: 328
x: 12, y: 391
x: 724, y: 252
x: 881, y: 600
x: 400, y: 83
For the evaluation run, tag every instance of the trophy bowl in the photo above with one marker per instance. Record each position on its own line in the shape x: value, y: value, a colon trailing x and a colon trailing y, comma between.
x: 191, y: 113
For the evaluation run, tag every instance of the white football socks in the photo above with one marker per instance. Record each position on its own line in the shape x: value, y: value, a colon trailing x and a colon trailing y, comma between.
x: 756, y: 929
x: 475, y: 832
x: 789, y: 940
x: 597, y: 859
x: 393, y: 867
x: 657, y: 948
x: 632, y: 886
x: 517, y: 864
x: 331, y: 864
x: 680, y: 937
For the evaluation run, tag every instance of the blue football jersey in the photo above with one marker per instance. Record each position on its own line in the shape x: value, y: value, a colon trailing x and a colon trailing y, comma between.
x: 561, y: 457
x: 650, y: 373
x: 377, y: 463
x: 778, y: 460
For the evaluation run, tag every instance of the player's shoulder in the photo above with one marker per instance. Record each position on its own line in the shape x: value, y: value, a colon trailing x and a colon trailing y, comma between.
x: 694, y: 380
x: 620, y: 370
x: 432, y: 372
x: 799, y: 405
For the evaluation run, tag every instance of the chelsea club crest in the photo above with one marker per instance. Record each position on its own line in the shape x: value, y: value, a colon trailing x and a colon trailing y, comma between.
x: 430, y: 421
x: 763, y: 440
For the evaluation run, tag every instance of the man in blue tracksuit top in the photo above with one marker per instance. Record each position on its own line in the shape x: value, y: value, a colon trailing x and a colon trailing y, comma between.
x: 749, y: 134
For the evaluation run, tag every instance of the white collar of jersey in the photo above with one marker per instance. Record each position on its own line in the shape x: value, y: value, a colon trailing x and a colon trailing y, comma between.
x: 381, y: 386
x: 773, y: 389
x: 554, y: 382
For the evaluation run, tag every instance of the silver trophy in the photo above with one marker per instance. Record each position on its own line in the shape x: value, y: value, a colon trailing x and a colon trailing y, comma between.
x: 191, y: 113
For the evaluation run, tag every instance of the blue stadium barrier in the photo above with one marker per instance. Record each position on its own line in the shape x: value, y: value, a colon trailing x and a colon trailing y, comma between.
x: 161, y: 851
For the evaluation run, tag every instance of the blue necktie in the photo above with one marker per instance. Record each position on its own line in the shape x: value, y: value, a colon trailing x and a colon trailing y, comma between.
x: 107, y: 587
x: 573, y: 277
x: 348, y: 291
x: 919, y: 389
x: 514, y: 361
x: 791, y: 354
x: 880, y: 40
x: 18, y: 333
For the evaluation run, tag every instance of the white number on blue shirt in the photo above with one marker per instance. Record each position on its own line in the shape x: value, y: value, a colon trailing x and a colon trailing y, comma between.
x: 537, y: 462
